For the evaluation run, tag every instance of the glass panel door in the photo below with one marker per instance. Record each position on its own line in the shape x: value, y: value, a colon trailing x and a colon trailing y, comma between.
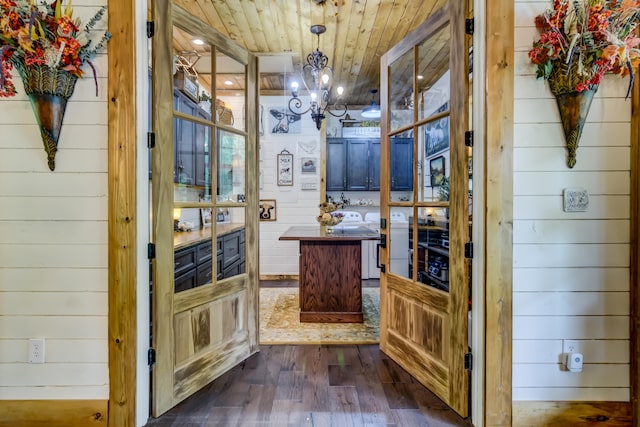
x: 205, y: 206
x: 425, y: 283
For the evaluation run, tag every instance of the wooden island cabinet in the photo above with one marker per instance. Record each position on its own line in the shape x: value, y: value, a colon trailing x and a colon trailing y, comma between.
x: 330, y: 272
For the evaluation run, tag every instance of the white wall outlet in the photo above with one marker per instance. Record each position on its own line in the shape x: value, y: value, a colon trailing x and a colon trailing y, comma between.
x: 570, y: 346
x: 36, y: 350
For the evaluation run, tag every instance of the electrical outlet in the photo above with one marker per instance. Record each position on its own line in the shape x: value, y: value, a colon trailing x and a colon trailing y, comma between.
x: 36, y: 350
x: 570, y: 346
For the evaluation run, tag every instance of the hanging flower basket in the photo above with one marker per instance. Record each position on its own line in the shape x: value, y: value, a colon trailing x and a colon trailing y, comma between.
x: 48, y: 90
x: 580, y: 41
x: 573, y: 108
x: 45, y: 44
x: 573, y: 105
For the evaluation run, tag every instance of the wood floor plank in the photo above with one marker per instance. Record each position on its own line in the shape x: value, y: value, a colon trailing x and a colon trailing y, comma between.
x: 259, y: 403
x: 399, y: 396
x: 344, y: 405
x: 290, y: 386
x: 341, y: 375
x: 315, y: 394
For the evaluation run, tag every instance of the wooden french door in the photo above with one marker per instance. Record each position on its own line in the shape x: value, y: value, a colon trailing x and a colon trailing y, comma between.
x: 204, y: 205
x: 425, y: 299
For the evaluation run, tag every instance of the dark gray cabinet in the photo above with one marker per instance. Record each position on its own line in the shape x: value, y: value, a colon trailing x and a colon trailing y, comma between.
x: 353, y: 164
x: 193, y: 264
x: 336, y: 164
x: 402, y: 164
x: 192, y: 144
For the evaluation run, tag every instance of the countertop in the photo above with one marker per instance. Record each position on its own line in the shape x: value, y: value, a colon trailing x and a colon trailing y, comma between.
x: 183, y: 239
x: 351, y: 232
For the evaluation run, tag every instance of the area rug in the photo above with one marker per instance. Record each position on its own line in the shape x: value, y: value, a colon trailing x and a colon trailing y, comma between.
x: 280, y: 321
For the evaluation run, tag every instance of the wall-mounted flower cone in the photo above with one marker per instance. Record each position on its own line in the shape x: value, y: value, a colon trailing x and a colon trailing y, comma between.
x: 48, y: 90
x: 573, y: 108
x: 49, y: 111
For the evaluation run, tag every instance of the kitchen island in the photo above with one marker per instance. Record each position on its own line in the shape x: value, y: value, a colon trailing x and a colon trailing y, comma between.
x: 330, y: 272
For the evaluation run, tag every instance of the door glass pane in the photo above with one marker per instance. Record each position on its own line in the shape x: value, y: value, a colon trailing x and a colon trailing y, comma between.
x: 433, y: 74
x: 399, y: 249
x: 436, y: 169
x: 230, y: 241
x: 184, y: 166
x: 203, y: 161
x: 401, y: 166
x: 231, y: 167
x: 230, y: 92
x: 188, y: 63
x: 433, y: 247
x: 401, y: 92
x: 192, y: 248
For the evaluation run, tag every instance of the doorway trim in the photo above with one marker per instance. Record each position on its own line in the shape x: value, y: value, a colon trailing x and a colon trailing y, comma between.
x: 497, y: 16
x: 499, y: 21
x: 123, y: 224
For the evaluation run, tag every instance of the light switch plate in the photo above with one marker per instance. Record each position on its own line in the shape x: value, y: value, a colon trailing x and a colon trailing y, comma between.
x: 575, y: 199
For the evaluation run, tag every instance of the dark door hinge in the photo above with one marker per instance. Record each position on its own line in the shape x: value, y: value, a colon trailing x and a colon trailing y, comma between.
x: 468, y: 250
x: 468, y: 26
x: 151, y: 357
x: 468, y: 138
x: 151, y: 29
x: 151, y: 251
x: 151, y: 140
x: 468, y: 361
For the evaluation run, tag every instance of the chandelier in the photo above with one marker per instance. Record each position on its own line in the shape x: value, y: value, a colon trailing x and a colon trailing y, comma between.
x: 316, y: 77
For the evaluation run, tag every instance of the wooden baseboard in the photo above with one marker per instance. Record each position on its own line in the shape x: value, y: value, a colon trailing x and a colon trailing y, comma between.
x: 53, y: 413
x: 279, y: 277
x: 560, y: 414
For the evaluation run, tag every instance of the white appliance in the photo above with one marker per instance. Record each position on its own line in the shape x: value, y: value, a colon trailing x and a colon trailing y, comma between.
x: 398, y: 240
x: 350, y: 219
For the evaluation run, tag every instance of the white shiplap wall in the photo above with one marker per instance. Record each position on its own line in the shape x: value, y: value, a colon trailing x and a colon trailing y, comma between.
x: 570, y: 270
x: 294, y: 205
x: 53, y: 245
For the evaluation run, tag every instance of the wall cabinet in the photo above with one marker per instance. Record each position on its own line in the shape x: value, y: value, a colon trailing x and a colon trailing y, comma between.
x: 353, y: 164
x: 193, y: 263
x: 402, y: 164
x: 336, y: 164
x: 192, y: 143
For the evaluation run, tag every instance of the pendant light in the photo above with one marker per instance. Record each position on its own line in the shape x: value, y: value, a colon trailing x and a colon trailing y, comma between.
x: 373, y: 110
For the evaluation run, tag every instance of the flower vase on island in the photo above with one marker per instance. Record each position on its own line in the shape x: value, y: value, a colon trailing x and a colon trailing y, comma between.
x: 329, y: 217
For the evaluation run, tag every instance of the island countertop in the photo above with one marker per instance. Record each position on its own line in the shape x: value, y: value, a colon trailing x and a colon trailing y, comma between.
x: 315, y: 233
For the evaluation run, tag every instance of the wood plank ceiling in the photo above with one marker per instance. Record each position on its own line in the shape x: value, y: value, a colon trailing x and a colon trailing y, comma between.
x: 358, y: 33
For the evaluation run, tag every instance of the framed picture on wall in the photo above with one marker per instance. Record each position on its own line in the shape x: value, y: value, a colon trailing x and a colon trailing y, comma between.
x: 281, y: 120
x: 285, y: 168
x: 308, y: 165
x: 267, y: 210
x: 436, y: 133
x: 436, y: 170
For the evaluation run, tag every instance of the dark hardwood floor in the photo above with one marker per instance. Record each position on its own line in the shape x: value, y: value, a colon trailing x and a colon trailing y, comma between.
x: 313, y: 385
